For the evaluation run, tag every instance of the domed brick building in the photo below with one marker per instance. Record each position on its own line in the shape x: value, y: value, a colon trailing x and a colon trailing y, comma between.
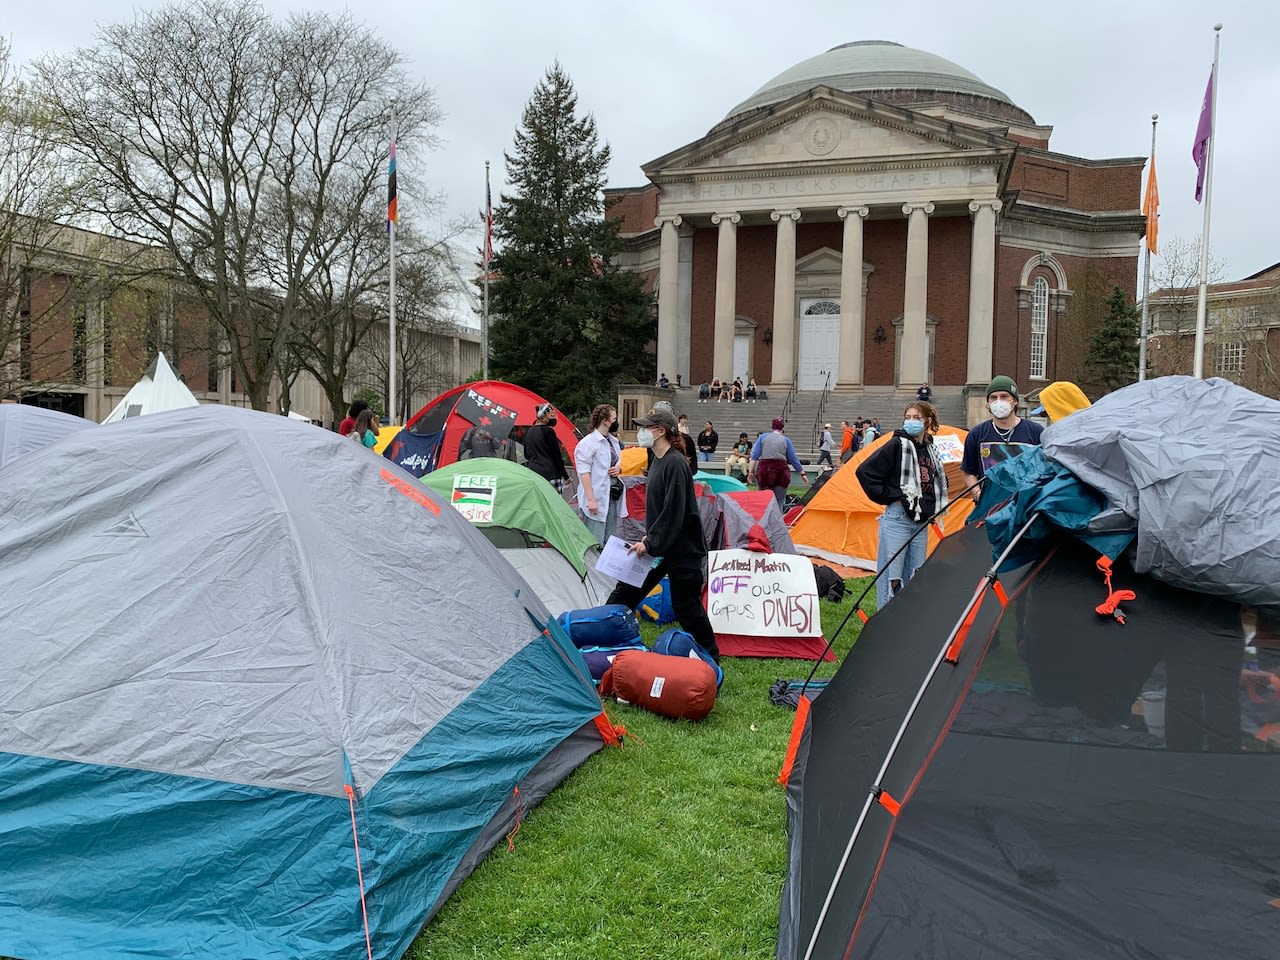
x: 871, y: 218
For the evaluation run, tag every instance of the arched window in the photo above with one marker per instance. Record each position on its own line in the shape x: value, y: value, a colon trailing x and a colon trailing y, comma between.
x: 822, y: 308
x: 1039, y: 326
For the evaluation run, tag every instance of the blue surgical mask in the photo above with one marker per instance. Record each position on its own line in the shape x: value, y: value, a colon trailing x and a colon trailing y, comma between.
x: 913, y: 428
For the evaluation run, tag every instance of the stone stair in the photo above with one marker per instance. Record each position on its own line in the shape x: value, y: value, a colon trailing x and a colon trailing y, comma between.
x: 730, y: 419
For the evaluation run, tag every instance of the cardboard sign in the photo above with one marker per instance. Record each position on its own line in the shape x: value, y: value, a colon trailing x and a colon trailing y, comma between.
x: 762, y: 595
x: 473, y: 496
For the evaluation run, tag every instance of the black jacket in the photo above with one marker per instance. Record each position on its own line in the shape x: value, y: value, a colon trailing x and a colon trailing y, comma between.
x: 707, y: 442
x: 542, y: 450
x: 673, y: 526
x: 880, y: 474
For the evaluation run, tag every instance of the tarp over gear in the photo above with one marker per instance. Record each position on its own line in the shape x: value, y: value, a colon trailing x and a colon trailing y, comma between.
x: 842, y: 524
x: 215, y: 724
x: 1085, y: 788
x: 159, y: 389
x: 1193, y: 466
x: 529, y: 522
x: 431, y: 437
x: 25, y: 429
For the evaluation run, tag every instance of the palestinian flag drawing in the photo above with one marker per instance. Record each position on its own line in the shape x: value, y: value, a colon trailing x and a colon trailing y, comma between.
x: 473, y: 497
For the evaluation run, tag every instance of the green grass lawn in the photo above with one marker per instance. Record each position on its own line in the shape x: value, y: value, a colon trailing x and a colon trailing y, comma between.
x: 673, y: 846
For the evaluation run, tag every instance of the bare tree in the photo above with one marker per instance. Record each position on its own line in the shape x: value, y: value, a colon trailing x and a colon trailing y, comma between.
x: 1175, y: 277
x: 235, y: 142
x: 39, y: 290
x: 425, y: 330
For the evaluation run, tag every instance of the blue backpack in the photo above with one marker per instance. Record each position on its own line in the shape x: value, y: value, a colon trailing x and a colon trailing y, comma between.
x: 679, y: 643
x: 611, y: 625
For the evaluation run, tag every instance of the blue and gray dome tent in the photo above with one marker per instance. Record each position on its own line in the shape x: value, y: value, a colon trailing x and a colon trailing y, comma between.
x: 259, y: 683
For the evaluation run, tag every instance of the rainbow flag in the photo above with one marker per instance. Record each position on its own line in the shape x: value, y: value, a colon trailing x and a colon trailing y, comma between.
x: 393, y: 214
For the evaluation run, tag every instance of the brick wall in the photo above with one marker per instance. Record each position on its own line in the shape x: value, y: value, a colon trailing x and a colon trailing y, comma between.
x: 1050, y: 179
x: 635, y: 207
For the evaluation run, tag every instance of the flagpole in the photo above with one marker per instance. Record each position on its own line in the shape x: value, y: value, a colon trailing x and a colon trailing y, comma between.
x: 1208, y: 203
x: 1146, y: 267
x: 393, y: 216
x: 488, y: 253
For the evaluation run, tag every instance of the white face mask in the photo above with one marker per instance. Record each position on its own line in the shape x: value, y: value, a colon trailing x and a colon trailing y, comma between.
x: 644, y: 438
x: 1000, y: 408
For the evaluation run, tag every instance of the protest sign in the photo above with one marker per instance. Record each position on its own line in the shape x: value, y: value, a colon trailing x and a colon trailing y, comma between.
x: 473, y: 496
x: 762, y: 595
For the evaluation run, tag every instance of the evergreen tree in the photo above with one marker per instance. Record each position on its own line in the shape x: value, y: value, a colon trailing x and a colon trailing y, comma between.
x: 1113, y: 352
x: 567, y: 323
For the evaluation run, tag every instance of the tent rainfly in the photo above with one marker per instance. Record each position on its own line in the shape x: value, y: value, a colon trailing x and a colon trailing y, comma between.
x: 266, y: 695
x: 159, y: 389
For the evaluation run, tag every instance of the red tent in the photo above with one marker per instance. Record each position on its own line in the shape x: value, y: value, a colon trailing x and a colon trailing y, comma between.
x: 430, y: 439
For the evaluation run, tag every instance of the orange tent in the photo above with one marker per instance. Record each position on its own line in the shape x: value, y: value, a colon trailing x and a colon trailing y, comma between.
x: 841, y: 525
x: 634, y: 460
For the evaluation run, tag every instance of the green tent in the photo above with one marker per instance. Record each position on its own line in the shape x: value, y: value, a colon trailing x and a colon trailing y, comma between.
x: 719, y: 482
x: 525, y: 518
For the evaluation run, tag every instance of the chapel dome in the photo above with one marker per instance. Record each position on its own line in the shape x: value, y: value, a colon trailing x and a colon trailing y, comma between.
x: 886, y: 71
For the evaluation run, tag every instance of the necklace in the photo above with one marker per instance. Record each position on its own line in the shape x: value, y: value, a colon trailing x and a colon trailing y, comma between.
x: 1004, y: 435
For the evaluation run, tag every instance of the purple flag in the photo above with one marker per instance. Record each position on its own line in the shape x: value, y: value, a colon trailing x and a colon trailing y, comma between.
x: 1204, y: 130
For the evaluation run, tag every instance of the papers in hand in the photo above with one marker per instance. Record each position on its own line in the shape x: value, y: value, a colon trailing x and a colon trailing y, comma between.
x: 617, y: 561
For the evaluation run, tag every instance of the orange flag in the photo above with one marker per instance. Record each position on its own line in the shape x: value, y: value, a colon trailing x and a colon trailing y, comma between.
x: 1151, y: 205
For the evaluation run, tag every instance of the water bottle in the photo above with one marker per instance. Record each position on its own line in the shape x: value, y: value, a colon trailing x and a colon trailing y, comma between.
x: 1251, y: 658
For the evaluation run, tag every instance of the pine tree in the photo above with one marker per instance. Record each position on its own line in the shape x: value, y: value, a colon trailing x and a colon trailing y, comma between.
x: 1113, y: 352
x: 567, y: 323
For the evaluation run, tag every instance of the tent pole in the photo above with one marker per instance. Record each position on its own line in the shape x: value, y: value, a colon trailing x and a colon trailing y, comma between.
x: 876, y: 789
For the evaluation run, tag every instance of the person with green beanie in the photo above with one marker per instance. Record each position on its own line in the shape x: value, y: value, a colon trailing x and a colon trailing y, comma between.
x: 1005, y: 435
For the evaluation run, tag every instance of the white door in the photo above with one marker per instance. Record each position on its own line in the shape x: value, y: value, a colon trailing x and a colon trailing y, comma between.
x: 742, y: 356
x: 819, y: 343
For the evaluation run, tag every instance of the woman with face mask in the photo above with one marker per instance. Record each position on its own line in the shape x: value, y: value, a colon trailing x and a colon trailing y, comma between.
x: 600, y: 492
x: 673, y: 531
x: 907, y: 476
x: 542, y: 448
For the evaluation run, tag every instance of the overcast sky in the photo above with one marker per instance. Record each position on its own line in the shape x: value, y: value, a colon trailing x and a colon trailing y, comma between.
x: 659, y: 74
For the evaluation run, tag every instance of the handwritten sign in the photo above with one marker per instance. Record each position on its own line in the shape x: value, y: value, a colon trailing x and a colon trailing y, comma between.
x: 762, y: 595
x: 950, y: 448
x: 473, y: 496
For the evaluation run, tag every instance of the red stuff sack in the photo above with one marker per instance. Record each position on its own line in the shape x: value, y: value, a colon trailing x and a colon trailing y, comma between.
x: 676, y: 687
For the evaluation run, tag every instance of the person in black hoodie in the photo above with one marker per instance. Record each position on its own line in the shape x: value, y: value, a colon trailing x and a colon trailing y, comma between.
x: 673, y: 531
x: 542, y: 448
x: 906, y: 475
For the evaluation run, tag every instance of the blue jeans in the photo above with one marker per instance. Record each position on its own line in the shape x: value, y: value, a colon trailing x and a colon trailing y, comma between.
x: 602, y: 530
x: 896, y: 528
x: 704, y: 457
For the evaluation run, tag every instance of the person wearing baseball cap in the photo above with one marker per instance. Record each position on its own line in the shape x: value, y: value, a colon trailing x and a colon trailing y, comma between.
x: 673, y: 530
x: 1005, y: 435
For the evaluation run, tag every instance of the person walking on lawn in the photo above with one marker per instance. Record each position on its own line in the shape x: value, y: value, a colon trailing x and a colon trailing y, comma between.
x: 772, y: 459
x: 673, y: 532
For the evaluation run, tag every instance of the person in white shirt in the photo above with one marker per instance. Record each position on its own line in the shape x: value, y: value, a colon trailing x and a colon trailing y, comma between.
x: 598, y: 457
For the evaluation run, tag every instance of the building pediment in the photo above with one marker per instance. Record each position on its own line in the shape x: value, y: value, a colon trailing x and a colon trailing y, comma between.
x: 821, y: 129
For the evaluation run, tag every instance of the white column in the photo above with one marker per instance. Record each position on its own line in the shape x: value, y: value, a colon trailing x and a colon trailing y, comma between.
x: 982, y: 287
x: 852, y: 322
x: 784, y: 299
x: 912, y: 360
x: 726, y: 293
x: 668, y: 296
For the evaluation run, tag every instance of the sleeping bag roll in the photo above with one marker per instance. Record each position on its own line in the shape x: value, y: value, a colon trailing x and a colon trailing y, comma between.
x: 677, y: 687
x: 610, y: 625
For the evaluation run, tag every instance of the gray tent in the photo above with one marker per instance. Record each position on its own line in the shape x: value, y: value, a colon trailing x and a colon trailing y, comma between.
x: 1193, y: 466
x: 259, y: 685
x: 24, y: 428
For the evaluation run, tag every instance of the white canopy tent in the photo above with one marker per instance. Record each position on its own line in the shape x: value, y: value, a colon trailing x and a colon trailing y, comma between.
x: 159, y: 389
